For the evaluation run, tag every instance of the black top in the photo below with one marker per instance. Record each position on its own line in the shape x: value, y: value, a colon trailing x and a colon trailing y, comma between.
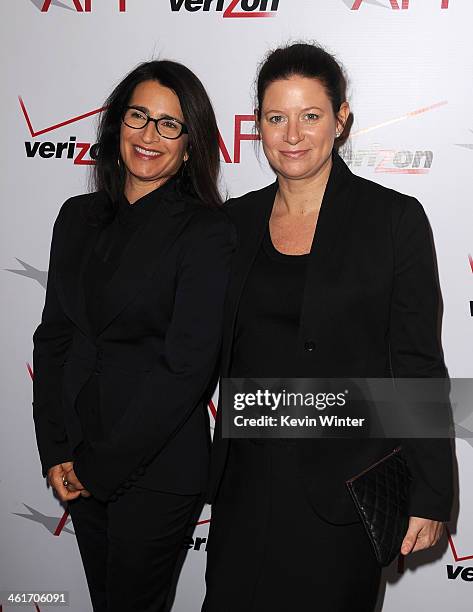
x: 268, y: 316
x: 103, y: 262
x: 110, y: 247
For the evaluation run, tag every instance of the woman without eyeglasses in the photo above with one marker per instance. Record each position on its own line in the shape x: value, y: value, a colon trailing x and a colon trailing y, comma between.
x: 126, y: 350
x: 333, y: 277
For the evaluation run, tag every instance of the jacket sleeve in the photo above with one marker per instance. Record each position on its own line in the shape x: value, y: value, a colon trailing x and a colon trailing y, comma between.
x: 416, y: 353
x: 51, y: 341
x: 178, y: 380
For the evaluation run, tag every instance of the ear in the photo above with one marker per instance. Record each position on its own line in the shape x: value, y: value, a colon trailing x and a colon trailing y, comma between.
x: 342, y: 116
x: 257, y: 121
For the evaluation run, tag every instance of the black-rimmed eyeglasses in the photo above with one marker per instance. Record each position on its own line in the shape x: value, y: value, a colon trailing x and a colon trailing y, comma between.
x: 167, y: 127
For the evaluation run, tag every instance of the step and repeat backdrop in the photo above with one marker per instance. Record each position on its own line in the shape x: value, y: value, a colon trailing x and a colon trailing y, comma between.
x: 410, y: 70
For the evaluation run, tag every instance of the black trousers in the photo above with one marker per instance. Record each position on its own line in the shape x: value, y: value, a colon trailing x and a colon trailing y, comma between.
x: 131, y: 547
x: 268, y: 551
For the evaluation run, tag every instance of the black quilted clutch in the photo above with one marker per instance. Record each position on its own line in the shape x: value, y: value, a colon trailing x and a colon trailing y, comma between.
x: 381, y: 496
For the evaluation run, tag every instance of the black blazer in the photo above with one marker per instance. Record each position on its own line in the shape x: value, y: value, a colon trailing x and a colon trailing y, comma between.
x: 155, y: 352
x: 370, y: 309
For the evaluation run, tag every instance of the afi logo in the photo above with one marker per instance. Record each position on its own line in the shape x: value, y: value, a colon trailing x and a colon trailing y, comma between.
x: 395, y: 4
x: 81, y: 6
x: 234, y: 8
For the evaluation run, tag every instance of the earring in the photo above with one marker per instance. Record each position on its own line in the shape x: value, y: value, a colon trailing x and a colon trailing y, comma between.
x: 337, y: 134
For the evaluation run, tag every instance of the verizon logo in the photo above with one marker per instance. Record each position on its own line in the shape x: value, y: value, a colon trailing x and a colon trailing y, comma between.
x: 229, y: 8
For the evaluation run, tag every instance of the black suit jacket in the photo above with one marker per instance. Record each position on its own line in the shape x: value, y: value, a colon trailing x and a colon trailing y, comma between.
x: 155, y: 352
x: 370, y: 309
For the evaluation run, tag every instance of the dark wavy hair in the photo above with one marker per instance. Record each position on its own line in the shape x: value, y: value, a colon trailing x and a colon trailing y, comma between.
x: 306, y: 60
x: 198, y: 177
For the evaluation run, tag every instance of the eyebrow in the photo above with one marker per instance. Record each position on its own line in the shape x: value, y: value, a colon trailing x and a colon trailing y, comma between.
x: 302, y: 110
x: 146, y: 110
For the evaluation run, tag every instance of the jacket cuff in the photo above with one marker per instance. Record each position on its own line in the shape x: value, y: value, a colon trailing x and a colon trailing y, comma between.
x: 85, y: 471
x: 430, y: 505
x: 61, y: 454
x: 86, y: 468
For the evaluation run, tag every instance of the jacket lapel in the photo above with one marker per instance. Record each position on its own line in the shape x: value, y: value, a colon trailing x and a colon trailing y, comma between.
x: 251, y: 219
x: 327, y: 246
x: 78, y: 244
x: 142, y: 256
x: 137, y: 263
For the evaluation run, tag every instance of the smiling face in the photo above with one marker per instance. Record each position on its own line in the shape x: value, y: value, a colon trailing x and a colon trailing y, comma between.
x: 298, y: 127
x: 149, y: 159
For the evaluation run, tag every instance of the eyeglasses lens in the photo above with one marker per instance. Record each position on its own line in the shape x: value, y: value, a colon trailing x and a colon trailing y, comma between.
x: 136, y: 119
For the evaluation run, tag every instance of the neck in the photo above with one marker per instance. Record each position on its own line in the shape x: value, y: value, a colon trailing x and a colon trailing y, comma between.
x: 136, y: 189
x: 304, y: 196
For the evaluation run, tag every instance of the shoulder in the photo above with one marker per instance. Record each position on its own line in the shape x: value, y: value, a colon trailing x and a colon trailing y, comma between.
x: 246, y: 206
x: 374, y: 199
x: 77, y: 207
x: 247, y: 199
x: 207, y: 223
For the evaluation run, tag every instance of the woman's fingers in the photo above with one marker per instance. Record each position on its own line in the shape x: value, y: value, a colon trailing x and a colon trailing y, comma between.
x: 55, y: 475
x: 57, y: 479
x: 65, y: 483
x: 67, y: 465
x: 75, y: 484
x: 422, y: 533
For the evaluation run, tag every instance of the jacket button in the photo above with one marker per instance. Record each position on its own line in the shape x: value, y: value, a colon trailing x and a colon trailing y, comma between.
x: 98, y: 363
x: 309, y: 346
x: 100, y: 353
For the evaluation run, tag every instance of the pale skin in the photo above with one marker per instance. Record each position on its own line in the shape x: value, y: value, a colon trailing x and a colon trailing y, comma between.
x: 150, y: 160
x: 298, y: 128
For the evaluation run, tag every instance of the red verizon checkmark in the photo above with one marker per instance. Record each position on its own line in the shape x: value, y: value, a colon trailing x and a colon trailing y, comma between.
x: 56, y: 126
x: 231, y: 12
x: 454, y: 550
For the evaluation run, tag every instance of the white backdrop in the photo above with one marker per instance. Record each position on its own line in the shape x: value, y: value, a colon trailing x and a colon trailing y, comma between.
x: 410, y: 66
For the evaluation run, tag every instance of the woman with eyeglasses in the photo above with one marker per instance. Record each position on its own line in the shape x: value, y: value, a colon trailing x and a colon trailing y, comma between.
x: 126, y: 350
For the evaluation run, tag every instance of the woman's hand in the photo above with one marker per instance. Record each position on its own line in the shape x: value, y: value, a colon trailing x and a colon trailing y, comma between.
x: 64, y: 481
x: 74, y: 483
x: 421, y: 533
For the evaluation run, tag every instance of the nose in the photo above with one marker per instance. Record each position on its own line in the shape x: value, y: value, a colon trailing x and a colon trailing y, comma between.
x: 293, y: 132
x: 150, y: 133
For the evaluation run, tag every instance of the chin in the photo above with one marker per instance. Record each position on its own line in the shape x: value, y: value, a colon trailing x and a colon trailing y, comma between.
x: 146, y: 175
x: 295, y: 175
